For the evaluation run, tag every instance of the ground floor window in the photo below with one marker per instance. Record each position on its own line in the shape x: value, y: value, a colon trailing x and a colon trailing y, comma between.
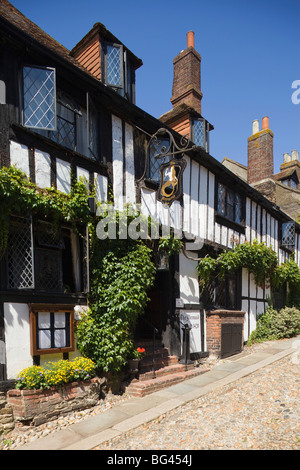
x: 223, y: 292
x: 51, y: 329
x: 46, y: 258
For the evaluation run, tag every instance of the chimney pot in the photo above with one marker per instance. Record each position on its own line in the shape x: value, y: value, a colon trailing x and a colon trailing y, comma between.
x: 265, y: 123
x: 295, y: 155
x: 286, y: 158
x: 255, y: 126
x: 191, y: 39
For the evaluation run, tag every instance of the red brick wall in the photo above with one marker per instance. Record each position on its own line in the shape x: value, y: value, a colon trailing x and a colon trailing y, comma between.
x: 260, y: 156
x: 40, y: 406
x: 187, y: 79
x: 214, y: 321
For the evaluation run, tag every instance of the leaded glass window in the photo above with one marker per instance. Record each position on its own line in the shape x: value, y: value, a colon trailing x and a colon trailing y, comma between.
x: 20, y: 260
x: 114, y: 65
x: 39, y: 98
x: 200, y: 133
x: 229, y: 204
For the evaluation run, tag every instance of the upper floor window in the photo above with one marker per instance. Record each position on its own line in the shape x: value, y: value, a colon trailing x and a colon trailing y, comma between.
x: 57, y: 115
x: 118, y: 70
x: 200, y: 133
x: 39, y: 98
x: 229, y: 204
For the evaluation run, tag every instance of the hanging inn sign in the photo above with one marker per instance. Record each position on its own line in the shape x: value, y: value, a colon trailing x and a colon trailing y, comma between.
x: 167, y: 159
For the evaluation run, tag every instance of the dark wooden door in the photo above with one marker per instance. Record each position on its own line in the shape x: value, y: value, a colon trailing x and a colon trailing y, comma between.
x: 231, y: 339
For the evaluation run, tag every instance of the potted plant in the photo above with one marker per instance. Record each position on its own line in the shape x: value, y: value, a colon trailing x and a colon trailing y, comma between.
x: 134, y: 361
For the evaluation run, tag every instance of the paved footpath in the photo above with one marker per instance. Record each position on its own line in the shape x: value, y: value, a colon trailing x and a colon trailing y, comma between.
x: 249, y: 401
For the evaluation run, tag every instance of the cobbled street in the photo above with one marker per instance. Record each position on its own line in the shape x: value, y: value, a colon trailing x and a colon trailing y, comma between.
x: 258, y: 412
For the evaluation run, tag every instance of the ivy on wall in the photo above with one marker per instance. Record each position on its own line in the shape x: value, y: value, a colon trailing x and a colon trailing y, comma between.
x: 258, y: 259
x: 19, y: 196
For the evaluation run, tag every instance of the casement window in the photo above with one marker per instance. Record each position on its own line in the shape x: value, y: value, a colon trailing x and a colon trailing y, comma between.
x: 229, y: 204
x: 223, y: 292
x: 288, y: 235
x: 39, y: 98
x: 44, y: 258
x: 52, y: 329
x: 20, y: 256
x: 118, y: 70
x: 200, y: 133
x: 56, y: 115
x: 291, y: 182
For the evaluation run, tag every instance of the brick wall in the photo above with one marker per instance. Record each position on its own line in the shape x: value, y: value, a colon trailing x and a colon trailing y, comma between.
x: 260, y: 156
x: 214, y: 321
x: 40, y: 406
x: 187, y: 79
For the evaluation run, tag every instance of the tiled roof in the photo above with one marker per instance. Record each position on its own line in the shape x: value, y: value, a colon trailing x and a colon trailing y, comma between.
x: 20, y: 21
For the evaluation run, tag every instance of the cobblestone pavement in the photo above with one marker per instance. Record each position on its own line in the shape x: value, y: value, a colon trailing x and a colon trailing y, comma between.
x: 258, y: 412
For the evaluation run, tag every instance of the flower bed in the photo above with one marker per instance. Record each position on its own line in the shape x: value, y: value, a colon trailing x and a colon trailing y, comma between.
x: 36, y: 407
x: 43, y: 394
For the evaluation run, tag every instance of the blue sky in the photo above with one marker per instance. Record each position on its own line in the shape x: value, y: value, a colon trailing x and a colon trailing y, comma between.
x: 250, y: 58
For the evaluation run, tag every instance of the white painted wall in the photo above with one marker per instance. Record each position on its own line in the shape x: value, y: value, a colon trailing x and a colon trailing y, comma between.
x: 17, y: 338
x: 63, y: 176
x: 130, y: 193
x: 19, y: 156
x: 117, y: 156
x: 101, y: 185
x: 83, y: 175
x: 42, y: 169
x: 188, y: 279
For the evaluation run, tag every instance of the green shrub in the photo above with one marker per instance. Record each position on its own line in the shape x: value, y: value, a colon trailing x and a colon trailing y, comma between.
x: 55, y: 373
x: 274, y: 324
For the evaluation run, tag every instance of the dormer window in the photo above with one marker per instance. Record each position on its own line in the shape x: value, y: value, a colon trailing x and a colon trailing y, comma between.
x: 118, y: 70
x: 200, y: 132
x: 291, y: 182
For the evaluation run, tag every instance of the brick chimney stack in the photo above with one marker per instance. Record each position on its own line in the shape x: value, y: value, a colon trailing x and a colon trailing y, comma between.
x: 260, y: 152
x: 187, y: 76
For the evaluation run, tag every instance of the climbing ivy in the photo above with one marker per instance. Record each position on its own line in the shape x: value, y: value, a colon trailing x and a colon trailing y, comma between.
x: 261, y: 261
x: 18, y: 196
x: 122, y: 272
x: 256, y: 257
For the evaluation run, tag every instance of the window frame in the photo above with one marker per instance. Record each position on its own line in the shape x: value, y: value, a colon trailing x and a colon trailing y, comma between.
x: 22, y: 97
x: 121, y: 52
x: 206, y: 132
x: 224, y: 219
x: 35, y: 309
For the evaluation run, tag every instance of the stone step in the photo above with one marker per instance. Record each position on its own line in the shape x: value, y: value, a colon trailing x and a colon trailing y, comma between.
x: 141, y: 388
x: 146, y: 364
x: 172, y: 368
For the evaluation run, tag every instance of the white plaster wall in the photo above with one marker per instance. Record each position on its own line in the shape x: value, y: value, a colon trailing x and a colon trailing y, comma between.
x: 101, y: 187
x: 19, y: 156
x: 84, y: 175
x: 63, y: 176
x: 117, y: 154
x: 17, y: 338
x: 188, y: 279
x: 130, y: 194
x: 42, y: 169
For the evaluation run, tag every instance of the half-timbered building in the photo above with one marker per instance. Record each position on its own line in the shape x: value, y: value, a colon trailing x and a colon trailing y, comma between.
x: 71, y: 114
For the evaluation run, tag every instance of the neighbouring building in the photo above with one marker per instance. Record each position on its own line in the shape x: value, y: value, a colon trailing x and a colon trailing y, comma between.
x: 281, y: 188
x: 84, y: 122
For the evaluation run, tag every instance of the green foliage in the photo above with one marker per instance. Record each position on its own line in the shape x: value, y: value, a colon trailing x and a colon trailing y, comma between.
x: 274, y: 324
x: 55, y: 373
x: 256, y: 257
x: 18, y: 196
x: 171, y: 245
x: 122, y: 273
